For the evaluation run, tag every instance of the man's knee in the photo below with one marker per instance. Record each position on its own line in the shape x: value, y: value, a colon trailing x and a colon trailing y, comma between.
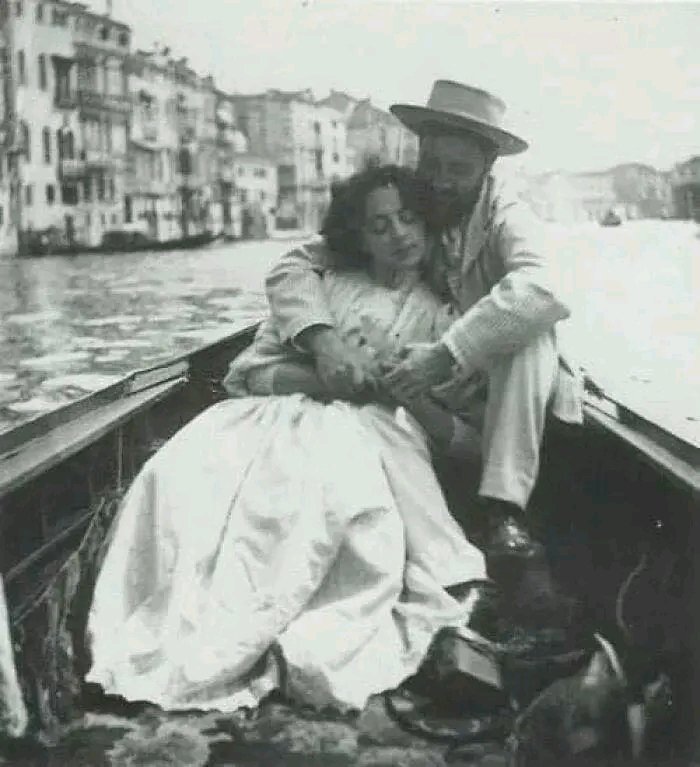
x: 528, y: 375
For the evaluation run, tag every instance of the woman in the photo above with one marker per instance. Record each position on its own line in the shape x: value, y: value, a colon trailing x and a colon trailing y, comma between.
x: 282, y: 521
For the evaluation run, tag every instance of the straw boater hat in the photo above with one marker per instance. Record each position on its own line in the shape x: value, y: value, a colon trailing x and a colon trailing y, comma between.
x: 460, y: 107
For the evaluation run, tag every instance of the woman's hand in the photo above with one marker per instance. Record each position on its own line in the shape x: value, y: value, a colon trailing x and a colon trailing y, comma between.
x: 419, y: 367
x: 345, y: 371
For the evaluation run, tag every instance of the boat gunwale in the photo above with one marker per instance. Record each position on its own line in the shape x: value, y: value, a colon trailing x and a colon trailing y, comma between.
x: 133, y: 382
x: 668, y: 453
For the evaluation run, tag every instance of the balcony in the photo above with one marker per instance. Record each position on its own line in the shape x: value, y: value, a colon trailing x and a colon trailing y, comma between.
x: 90, y: 160
x: 187, y: 134
x: 191, y: 182
x: 227, y: 174
x: 72, y: 168
x: 98, y: 159
x: 104, y: 102
x: 65, y: 100
x: 149, y: 187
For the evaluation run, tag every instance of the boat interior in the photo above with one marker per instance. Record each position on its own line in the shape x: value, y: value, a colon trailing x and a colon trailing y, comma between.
x: 617, y: 496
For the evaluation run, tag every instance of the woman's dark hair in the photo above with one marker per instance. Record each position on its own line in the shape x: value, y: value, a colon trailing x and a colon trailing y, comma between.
x: 342, y: 226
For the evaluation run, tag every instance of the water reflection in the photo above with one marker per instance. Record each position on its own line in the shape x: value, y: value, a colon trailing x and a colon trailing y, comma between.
x: 73, y: 325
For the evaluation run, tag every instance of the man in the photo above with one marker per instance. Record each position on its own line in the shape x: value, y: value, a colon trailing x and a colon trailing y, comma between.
x: 491, y: 259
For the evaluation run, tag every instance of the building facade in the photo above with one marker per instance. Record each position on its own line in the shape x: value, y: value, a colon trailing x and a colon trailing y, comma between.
x: 642, y: 191
x: 373, y: 135
x: 231, y: 143
x: 151, y: 201
x: 307, y: 142
x: 65, y: 122
x: 256, y: 185
x: 685, y: 186
x: 631, y: 191
x: 376, y: 136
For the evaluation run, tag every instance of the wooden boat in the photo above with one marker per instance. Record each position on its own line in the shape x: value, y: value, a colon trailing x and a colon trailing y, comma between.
x: 608, y: 491
x: 610, y: 219
x: 117, y: 242
x: 52, y: 243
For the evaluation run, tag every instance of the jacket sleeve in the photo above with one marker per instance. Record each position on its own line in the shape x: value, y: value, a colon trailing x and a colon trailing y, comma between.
x: 295, y: 290
x: 523, y: 303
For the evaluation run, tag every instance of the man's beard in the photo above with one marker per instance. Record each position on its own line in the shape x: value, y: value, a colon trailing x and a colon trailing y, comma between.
x: 449, y: 208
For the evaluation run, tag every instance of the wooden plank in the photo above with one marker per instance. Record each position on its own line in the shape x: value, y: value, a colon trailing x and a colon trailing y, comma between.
x: 139, y: 379
x: 21, y: 567
x: 682, y: 467
x: 38, y: 455
x: 43, y: 424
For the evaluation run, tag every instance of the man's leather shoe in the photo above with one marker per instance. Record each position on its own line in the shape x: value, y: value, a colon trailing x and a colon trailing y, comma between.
x: 508, y: 537
x: 483, y: 600
x: 508, y: 546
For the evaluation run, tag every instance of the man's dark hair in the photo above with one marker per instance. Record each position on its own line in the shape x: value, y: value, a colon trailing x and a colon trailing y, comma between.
x: 342, y: 226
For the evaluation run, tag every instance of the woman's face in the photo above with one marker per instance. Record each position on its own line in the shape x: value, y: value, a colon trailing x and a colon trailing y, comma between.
x: 393, y: 236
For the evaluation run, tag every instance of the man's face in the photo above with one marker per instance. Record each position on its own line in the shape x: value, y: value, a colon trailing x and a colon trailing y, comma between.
x: 455, y: 167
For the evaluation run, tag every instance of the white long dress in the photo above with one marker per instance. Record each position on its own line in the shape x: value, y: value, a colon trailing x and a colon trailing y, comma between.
x: 320, y: 528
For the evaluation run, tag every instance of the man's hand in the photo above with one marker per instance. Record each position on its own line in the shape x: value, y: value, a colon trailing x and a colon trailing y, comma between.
x: 421, y: 367
x: 345, y: 371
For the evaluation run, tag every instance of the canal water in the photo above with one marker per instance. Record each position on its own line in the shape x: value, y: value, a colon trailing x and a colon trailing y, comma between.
x: 70, y: 325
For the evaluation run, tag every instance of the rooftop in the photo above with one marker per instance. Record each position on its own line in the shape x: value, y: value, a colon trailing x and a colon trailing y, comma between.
x: 83, y: 10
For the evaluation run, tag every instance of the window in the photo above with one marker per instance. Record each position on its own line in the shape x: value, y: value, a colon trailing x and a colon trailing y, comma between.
x: 39, y: 13
x: 103, y: 219
x: 70, y: 145
x: 21, y: 73
x: 104, y: 33
x: 317, y: 128
x: 87, y: 189
x: 241, y: 171
x: 101, y: 187
x: 59, y: 144
x: 123, y: 39
x: 43, y: 80
x: 69, y: 194
x: 28, y: 195
x: 112, y: 190
x: 18, y: 8
x: 46, y: 136
x: 2, y: 215
x: 336, y: 157
x: 50, y: 193
x: 115, y: 219
x: 128, y: 209
x: 59, y: 18
x: 27, y: 141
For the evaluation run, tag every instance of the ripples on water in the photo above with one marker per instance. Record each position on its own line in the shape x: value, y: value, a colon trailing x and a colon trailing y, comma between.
x: 73, y: 325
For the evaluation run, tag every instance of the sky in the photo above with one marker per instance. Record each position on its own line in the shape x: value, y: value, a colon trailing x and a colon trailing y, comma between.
x: 588, y: 84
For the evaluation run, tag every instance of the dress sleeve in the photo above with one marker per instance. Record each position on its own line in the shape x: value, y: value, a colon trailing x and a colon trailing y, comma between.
x: 295, y: 290
x: 261, y: 358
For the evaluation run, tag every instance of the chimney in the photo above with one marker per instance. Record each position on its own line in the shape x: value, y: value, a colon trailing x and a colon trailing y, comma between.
x: 108, y: 10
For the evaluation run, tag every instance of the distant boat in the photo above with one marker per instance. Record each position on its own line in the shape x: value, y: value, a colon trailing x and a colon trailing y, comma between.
x: 52, y: 243
x: 118, y: 241
x: 610, y: 219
